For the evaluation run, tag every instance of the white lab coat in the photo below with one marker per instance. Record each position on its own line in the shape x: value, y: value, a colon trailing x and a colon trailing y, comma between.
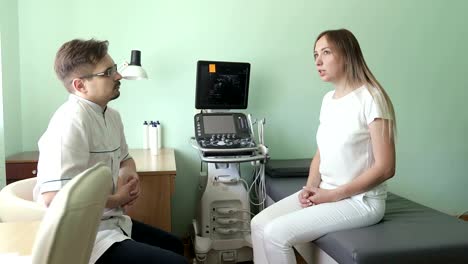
x: 81, y: 134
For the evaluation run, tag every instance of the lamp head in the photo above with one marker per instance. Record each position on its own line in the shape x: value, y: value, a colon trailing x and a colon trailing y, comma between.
x: 135, y: 58
x: 134, y: 71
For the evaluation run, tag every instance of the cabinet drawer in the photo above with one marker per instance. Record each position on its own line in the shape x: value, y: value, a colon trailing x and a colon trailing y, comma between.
x: 19, y: 171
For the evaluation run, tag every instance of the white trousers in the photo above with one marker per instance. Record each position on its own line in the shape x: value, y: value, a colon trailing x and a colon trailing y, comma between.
x: 284, y: 224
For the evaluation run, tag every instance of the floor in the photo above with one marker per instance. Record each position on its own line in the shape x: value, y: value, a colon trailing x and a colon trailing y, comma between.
x: 190, y: 255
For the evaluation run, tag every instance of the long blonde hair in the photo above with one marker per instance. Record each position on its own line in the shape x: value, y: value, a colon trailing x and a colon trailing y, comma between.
x: 357, y: 72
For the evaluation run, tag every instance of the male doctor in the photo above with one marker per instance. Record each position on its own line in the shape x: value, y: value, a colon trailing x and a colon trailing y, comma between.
x: 85, y: 131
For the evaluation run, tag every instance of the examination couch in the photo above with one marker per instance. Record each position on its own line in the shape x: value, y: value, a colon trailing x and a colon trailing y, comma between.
x: 408, y: 233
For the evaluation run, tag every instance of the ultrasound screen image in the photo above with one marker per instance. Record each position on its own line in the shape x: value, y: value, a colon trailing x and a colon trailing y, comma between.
x: 222, y: 85
x: 219, y: 124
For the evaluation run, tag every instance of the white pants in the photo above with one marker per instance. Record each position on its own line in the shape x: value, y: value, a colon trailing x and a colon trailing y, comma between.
x: 284, y: 224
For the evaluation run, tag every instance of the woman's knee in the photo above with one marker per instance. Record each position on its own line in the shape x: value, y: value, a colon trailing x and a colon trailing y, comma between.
x: 276, y: 234
x: 257, y: 224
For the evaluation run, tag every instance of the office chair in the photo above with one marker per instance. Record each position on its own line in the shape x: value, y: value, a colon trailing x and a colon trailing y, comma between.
x: 68, y: 230
x: 16, y: 202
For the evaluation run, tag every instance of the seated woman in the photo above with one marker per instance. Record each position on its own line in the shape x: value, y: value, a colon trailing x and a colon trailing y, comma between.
x: 355, y: 155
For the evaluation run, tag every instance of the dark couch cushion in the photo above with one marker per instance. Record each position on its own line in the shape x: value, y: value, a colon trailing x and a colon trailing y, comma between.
x: 288, y: 168
x: 408, y: 233
x: 278, y: 188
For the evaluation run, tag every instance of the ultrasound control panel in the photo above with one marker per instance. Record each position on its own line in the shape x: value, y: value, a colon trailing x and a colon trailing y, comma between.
x: 223, y: 131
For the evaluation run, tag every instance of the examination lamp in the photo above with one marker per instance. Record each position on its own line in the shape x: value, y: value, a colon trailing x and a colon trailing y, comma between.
x: 133, y: 71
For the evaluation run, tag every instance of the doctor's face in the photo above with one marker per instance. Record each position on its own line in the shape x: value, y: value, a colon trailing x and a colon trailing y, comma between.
x: 103, y: 84
x: 329, y: 63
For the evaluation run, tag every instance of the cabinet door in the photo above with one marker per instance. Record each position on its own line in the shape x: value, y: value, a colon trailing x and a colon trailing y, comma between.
x: 19, y: 171
x: 153, y: 207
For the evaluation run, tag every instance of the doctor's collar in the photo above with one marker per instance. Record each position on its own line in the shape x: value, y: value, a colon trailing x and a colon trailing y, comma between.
x: 93, y: 105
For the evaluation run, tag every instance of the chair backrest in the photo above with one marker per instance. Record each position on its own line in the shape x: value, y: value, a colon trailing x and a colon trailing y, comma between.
x: 16, y: 202
x: 68, y: 230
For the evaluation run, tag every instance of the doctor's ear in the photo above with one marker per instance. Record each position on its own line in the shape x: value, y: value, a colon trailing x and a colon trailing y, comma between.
x: 78, y: 85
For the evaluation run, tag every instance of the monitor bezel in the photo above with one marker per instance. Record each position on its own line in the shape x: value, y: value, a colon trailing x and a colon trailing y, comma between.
x: 198, y: 103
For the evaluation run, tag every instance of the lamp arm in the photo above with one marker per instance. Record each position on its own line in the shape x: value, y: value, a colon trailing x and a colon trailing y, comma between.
x: 122, y: 66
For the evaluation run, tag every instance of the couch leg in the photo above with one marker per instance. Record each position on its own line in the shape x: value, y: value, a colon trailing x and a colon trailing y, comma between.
x: 299, y: 258
x: 464, y: 216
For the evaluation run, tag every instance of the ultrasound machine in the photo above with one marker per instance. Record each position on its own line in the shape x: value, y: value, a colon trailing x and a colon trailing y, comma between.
x: 223, y: 140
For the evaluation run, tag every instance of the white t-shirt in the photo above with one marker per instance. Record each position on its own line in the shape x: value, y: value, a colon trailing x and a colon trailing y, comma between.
x: 343, y: 138
x: 81, y: 134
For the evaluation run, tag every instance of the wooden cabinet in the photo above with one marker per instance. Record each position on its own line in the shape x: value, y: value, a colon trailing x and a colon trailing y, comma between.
x: 21, y: 166
x: 157, y: 182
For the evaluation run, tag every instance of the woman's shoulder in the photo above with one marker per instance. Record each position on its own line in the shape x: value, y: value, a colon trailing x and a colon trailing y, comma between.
x: 328, y: 95
x: 369, y: 93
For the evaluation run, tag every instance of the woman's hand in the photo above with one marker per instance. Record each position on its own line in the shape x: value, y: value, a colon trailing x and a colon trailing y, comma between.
x: 304, y: 194
x: 319, y: 196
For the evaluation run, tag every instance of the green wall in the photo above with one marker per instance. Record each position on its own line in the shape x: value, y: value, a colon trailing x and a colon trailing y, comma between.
x: 2, y: 129
x: 10, y: 114
x: 11, y: 81
x: 415, y: 48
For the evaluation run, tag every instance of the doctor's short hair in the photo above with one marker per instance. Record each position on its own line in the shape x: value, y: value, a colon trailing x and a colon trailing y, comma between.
x: 78, y: 57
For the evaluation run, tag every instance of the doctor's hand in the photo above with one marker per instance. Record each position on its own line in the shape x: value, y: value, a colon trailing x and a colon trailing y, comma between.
x: 124, y: 195
x: 136, y: 189
x: 322, y: 195
x: 128, y: 192
x: 127, y: 173
x: 304, y: 194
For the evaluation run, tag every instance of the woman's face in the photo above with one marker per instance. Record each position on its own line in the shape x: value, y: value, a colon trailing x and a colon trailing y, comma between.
x: 329, y: 63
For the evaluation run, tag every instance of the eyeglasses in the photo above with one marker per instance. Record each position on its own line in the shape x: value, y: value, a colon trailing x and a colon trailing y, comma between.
x: 109, y: 72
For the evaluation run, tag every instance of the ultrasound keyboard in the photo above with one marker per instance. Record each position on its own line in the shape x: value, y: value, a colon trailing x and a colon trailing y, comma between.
x: 219, y: 134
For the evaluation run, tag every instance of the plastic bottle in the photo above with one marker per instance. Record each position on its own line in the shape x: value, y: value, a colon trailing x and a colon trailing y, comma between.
x: 159, y: 134
x: 146, y: 135
x: 153, y: 139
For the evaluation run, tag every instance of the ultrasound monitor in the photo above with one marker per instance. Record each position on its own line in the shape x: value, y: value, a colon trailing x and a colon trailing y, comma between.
x: 222, y: 85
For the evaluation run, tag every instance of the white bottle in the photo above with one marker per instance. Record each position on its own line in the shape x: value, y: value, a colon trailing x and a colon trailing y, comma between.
x: 153, y: 139
x: 159, y: 134
x: 146, y: 135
